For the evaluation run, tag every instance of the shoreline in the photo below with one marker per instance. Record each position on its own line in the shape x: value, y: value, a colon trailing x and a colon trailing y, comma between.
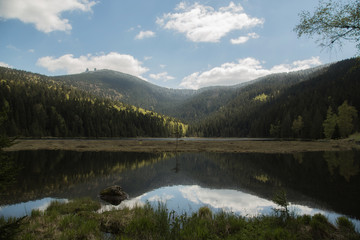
x: 183, y: 145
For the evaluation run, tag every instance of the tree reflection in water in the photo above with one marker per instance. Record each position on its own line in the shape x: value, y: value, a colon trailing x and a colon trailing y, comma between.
x: 317, y: 179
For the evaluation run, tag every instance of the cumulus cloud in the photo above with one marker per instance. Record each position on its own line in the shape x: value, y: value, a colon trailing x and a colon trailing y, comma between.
x: 241, y: 71
x: 145, y: 34
x: 114, y: 61
x: 202, y: 23
x: 46, y: 15
x: 161, y: 76
x: 2, y: 64
x: 244, y: 39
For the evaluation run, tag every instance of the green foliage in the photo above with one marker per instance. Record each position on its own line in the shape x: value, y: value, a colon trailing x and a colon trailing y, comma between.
x: 344, y: 224
x: 333, y: 21
x: 38, y: 106
x: 281, y: 105
x: 329, y: 123
x: 281, y: 200
x: 341, y: 124
x: 128, y: 89
x: 157, y: 222
x: 75, y: 206
x: 347, y: 115
x: 297, y: 126
x: 306, y: 93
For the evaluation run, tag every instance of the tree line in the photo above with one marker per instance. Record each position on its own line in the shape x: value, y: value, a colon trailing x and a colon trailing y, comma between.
x: 295, y: 110
x: 38, y: 106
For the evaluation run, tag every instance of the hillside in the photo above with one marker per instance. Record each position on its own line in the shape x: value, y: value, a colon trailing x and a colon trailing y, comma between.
x: 272, y: 105
x: 38, y: 106
x: 128, y: 89
x: 187, y: 105
x: 207, y: 101
x: 282, y: 105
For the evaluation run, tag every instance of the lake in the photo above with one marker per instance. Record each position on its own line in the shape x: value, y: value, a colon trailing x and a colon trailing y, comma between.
x: 243, y: 183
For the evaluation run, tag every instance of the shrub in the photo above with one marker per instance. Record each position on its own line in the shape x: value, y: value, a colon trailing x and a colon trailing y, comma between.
x: 344, y: 224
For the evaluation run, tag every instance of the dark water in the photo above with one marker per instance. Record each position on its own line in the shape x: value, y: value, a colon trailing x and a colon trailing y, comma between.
x: 326, y: 182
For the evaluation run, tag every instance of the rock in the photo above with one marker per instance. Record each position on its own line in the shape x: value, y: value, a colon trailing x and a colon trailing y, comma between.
x: 114, y: 195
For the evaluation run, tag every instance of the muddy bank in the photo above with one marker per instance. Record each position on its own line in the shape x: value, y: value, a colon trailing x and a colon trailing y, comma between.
x: 195, y: 145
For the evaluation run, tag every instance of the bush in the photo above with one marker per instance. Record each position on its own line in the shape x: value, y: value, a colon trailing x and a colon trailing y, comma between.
x: 345, y: 224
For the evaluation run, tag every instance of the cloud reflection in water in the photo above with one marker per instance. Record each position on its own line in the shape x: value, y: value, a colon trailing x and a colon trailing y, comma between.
x: 190, y: 198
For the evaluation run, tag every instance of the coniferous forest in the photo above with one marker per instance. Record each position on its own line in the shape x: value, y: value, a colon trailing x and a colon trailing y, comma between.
x: 322, y: 102
x: 37, y: 106
x: 292, y: 109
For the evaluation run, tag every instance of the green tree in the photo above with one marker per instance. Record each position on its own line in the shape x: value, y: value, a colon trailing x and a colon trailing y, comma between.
x: 297, y: 126
x: 275, y: 129
x: 346, y: 116
x: 332, y: 21
x: 4, y: 140
x: 329, y: 123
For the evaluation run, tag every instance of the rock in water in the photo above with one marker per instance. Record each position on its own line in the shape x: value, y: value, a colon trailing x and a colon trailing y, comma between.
x: 114, y: 195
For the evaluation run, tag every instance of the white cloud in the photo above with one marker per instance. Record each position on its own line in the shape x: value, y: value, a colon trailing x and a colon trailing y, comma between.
x: 161, y: 76
x: 244, y: 39
x: 241, y: 71
x: 205, y: 24
x: 114, y: 61
x: 45, y: 14
x: 145, y: 34
x: 12, y: 47
x: 2, y: 64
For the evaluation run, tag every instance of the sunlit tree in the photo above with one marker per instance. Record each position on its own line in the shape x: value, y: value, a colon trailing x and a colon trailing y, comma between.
x: 346, y: 116
x: 297, y: 126
x: 333, y: 21
x: 341, y: 124
x: 330, y: 123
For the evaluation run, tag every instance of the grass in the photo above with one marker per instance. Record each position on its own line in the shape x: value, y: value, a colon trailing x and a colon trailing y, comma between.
x: 355, y: 137
x: 196, y: 145
x: 78, y: 219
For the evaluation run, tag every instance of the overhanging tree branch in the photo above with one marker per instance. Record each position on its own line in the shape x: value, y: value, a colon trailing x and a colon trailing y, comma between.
x: 333, y: 22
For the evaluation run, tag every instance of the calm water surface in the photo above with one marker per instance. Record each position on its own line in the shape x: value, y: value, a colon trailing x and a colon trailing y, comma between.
x: 325, y: 182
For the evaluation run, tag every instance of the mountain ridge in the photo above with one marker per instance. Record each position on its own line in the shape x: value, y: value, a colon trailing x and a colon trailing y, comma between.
x: 180, y: 103
x: 248, y: 109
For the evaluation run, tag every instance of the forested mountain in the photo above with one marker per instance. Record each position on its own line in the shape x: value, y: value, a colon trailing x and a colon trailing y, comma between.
x: 187, y: 105
x: 280, y: 106
x: 127, y: 88
x: 314, y: 103
x: 38, y: 105
x: 208, y: 101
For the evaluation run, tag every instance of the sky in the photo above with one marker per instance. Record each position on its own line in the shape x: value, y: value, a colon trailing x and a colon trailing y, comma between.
x: 174, y: 44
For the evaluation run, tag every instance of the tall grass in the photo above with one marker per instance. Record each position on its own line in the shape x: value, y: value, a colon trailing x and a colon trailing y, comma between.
x: 79, y: 220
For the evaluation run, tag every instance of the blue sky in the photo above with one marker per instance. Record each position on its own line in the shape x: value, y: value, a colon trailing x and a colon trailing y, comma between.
x: 175, y: 44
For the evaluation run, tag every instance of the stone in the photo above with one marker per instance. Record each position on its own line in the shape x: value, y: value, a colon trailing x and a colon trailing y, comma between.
x: 114, y: 195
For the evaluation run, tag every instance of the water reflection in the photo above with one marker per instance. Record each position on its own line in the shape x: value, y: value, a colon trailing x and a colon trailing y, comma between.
x: 344, y: 162
x: 316, y: 180
x: 190, y: 198
x: 25, y: 208
x: 8, y: 172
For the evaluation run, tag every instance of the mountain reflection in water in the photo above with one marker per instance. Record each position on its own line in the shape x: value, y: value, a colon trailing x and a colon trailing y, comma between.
x: 316, y: 180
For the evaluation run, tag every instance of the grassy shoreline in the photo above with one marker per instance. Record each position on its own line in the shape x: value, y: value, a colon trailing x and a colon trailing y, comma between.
x: 79, y: 219
x: 195, y: 145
